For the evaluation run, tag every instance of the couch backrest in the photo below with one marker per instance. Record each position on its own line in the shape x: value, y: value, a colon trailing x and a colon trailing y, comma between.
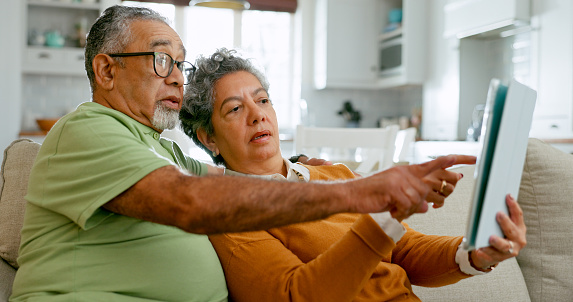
x: 545, y: 196
x: 16, y: 165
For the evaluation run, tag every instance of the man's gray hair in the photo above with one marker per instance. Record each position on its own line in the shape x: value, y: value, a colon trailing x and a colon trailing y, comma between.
x: 198, y: 101
x: 111, y: 33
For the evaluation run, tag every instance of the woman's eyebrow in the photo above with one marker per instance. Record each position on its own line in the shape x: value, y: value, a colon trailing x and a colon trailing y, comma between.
x: 231, y: 98
x: 258, y: 90
x: 238, y: 98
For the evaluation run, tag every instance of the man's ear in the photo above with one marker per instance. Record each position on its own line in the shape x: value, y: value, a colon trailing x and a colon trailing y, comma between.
x: 207, y: 140
x: 104, y: 68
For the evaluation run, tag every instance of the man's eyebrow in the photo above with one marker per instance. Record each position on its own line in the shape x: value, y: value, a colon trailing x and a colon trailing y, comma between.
x: 157, y: 43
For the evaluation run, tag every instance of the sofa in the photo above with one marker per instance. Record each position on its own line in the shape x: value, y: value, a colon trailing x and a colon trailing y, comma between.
x: 540, y: 273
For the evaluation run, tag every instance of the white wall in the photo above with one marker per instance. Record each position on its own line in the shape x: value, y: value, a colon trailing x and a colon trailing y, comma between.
x: 10, y: 54
x: 441, y: 90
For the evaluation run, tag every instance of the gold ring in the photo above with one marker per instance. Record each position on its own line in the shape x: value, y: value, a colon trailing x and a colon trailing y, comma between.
x: 444, y: 183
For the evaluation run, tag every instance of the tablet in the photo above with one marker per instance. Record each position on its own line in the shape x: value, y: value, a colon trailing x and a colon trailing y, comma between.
x: 503, y: 142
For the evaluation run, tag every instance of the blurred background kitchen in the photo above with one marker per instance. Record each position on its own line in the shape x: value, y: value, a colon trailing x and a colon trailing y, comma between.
x: 331, y: 63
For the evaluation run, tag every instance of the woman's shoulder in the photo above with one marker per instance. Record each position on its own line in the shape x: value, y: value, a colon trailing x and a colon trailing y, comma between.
x: 330, y: 172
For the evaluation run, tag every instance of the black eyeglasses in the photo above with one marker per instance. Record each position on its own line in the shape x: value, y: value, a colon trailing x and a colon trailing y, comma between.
x: 163, y: 64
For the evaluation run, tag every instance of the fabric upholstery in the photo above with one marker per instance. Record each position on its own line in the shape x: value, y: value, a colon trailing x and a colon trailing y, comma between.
x: 16, y: 165
x: 451, y: 220
x: 545, y: 197
x: 7, y: 274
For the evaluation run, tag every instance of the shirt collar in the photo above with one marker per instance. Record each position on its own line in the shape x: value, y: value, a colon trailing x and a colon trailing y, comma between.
x: 295, y: 172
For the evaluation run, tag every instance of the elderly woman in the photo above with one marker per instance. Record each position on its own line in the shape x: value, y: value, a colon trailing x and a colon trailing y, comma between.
x: 346, y: 257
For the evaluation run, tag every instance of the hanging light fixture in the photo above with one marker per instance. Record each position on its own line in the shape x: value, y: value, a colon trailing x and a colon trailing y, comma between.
x: 233, y: 4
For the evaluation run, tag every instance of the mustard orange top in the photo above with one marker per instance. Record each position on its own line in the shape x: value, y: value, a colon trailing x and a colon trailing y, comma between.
x: 346, y: 257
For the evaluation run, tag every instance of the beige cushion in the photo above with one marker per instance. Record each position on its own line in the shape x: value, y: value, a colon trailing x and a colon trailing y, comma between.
x: 505, y: 283
x: 7, y: 275
x: 16, y: 166
x: 545, y: 197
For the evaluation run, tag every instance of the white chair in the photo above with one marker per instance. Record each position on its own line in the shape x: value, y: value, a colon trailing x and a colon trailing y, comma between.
x: 368, y: 146
x: 404, y: 143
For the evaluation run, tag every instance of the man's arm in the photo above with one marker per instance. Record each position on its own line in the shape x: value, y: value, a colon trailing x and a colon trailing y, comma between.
x: 217, y: 204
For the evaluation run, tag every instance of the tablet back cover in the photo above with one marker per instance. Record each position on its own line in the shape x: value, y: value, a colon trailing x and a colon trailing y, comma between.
x: 507, y: 122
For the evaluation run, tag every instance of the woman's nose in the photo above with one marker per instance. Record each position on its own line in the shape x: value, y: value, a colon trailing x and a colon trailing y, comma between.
x: 256, y: 114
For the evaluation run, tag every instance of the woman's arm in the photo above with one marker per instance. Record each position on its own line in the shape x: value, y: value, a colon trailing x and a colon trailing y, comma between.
x: 429, y: 260
x: 259, y: 267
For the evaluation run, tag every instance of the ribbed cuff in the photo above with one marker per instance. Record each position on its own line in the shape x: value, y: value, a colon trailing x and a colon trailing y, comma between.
x: 392, y: 227
x: 373, y: 236
x: 463, y: 260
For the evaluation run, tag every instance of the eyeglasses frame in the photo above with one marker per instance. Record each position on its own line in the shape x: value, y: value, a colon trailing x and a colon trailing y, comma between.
x: 154, y: 53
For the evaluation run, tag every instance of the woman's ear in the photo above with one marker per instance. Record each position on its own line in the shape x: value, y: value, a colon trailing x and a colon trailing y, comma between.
x: 207, y: 141
x: 104, y: 70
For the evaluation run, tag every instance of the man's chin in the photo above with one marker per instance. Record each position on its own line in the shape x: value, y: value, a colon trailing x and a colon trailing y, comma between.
x: 165, y: 118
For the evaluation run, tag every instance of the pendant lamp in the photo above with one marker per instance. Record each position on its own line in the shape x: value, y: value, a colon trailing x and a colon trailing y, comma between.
x: 232, y: 4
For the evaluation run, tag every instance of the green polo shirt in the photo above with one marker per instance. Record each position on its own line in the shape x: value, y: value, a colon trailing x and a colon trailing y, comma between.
x: 74, y: 250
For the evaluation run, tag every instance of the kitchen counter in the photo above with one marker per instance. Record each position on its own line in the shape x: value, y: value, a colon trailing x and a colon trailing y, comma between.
x: 424, y: 151
x: 427, y: 150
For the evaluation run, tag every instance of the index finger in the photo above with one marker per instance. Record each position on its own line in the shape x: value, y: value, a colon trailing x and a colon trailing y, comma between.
x: 464, y: 159
x: 444, y: 162
x: 441, y: 162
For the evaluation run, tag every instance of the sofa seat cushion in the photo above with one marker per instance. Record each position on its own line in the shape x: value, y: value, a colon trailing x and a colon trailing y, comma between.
x: 16, y: 165
x: 545, y: 196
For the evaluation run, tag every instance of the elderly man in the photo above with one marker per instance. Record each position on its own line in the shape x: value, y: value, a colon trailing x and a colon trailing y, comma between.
x: 116, y: 213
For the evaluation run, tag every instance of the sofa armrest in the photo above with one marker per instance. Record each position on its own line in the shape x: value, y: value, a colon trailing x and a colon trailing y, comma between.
x: 16, y: 165
x: 7, y: 274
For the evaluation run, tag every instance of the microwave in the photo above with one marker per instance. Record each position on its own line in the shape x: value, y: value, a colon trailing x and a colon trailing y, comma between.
x: 390, y: 58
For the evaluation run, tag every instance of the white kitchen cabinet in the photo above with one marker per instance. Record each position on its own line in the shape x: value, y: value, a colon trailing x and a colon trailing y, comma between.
x: 55, y: 61
x: 348, y: 43
x: 345, y: 43
x: 414, y: 41
x: 552, y: 38
x: 467, y: 18
x: 64, y: 17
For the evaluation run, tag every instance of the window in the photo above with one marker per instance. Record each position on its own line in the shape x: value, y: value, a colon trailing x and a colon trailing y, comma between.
x: 268, y: 37
x: 206, y: 29
x: 265, y: 36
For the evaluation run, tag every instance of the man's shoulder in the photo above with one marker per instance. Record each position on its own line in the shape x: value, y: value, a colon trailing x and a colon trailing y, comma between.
x: 91, y: 119
x: 91, y: 112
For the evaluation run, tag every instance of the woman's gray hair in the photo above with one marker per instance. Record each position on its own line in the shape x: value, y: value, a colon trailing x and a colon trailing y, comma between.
x: 111, y: 33
x: 198, y: 101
